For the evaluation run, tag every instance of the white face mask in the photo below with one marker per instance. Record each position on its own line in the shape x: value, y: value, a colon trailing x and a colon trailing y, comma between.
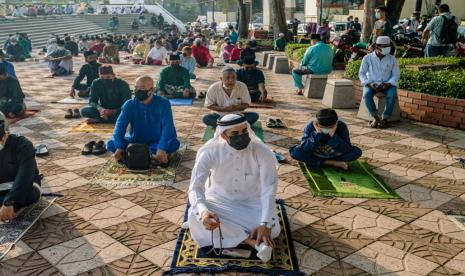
x: 377, y: 15
x: 385, y: 51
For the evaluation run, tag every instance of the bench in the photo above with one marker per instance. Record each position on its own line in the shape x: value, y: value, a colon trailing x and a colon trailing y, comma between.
x: 339, y: 93
x: 380, y: 102
x: 271, y: 59
x: 281, y: 65
x: 315, y: 86
x: 263, y: 61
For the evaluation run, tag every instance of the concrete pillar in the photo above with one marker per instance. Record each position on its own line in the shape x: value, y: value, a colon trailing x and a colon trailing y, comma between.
x: 311, y: 11
x: 266, y: 14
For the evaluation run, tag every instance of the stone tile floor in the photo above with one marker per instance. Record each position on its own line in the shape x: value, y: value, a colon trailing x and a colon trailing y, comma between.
x: 96, y: 231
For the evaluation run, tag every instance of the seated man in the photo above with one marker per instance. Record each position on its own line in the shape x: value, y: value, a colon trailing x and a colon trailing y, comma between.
x: 157, y: 54
x: 228, y: 96
x: 188, y: 62
x: 107, y: 96
x: 11, y: 95
x: 60, y: 61
x: 110, y: 53
x: 280, y: 43
x: 379, y: 73
x: 14, y: 51
x: 140, y: 51
x: 71, y: 46
x: 88, y: 71
x: 318, y: 60
x: 9, y: 67
x: 202, y: 54
x: 19, y: 177
x: 326, y: 142
x: 243, y: 208
x: 174, y: 80
x: 253, y: 78
x: 151, y: 122
x: 98, y: 46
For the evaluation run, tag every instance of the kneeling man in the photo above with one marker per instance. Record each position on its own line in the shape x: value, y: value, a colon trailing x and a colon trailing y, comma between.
x: 151, y: 122
x: 11, y: 95
x: 240, y: 197
x: 19, y: 177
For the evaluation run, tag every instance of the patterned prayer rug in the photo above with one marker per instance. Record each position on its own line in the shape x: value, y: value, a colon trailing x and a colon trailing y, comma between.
x: 189, y: 258
x: 12, y: 231
x: 257, y: 127
x: 114, y: 175
x: 93, y: 128
x: 28, y: 113
x: 76, y: 100
x: 358, y: 181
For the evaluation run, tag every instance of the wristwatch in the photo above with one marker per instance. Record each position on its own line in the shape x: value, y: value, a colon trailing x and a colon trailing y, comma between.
x: 266, y: 224
x: 8, y: 203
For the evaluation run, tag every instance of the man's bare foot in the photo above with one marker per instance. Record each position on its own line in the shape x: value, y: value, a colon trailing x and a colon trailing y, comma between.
x: 299, y: 92
x: 337, y: 164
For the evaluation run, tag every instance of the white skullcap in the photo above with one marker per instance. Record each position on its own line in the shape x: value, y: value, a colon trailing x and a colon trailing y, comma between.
x: 281, y: 34
x: 383, y: 40
x: 229, y: 118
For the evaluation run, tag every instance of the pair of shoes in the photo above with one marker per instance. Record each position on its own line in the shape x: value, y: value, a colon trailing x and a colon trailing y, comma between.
x: 275, y: 123
x: 41, y: 150
x: 73, y: 114
x: 93, y: 147
x: 202, y: 94
x: 377, y: 122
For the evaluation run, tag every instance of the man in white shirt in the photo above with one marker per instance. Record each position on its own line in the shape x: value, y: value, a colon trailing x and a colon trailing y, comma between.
x: 379, y: 73
x: 238, y: 205
x: 228, y: 96
x: 157, y: 55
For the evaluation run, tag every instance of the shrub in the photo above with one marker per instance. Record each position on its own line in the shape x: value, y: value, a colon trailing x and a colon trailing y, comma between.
x: 445, y: 83
x: 292, y: 48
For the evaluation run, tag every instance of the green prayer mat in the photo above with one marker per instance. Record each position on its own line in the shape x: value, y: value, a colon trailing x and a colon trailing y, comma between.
x: 257, y: 128
x: 359, y: 181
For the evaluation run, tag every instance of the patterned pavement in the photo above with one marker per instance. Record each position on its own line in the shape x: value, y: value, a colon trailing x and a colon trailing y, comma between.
x: 96, y: 231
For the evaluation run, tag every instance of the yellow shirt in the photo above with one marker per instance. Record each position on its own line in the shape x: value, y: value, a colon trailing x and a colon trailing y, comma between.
x: 140, y: 51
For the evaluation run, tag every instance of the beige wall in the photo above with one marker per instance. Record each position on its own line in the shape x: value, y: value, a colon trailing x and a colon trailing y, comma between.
x: 457, y: 8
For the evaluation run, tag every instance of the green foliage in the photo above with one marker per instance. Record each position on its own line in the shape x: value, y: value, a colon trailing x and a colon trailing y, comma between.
x: 295, y: 51
x: 445, y: 83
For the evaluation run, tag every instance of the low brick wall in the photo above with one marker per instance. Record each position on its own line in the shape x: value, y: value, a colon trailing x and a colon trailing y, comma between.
x: 426, y: 108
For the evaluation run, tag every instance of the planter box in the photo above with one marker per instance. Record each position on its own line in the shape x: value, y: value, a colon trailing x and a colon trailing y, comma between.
x: 426, y: 108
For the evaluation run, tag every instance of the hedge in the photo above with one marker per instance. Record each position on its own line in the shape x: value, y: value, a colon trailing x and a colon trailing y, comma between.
x: 445, y: 83
x: 296, y: 51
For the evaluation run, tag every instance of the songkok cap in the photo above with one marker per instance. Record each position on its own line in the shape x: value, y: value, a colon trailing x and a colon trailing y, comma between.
x: 174, y: 58
x: 89, y: 53
x: 2, y: 68
x: 231, y: 119
x: 315, y: 36
x: 249, y: 60
x: 383, y: 40
x: 227, y: 69
x: 105, y: 70
x: 326, y: 117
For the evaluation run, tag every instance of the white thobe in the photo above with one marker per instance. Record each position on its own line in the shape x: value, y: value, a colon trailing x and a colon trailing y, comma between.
x: 374, y: 69
x: 241, y: 191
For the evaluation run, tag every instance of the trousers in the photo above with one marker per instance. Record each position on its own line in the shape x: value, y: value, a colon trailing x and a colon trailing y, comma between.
x: 391, y: 96
x: 93, y: 113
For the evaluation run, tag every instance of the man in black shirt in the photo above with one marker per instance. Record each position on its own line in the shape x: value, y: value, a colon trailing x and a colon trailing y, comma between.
x: 88, y: 71
x: 19, y: 175
x: 11, y: 94
x: 71, y: 46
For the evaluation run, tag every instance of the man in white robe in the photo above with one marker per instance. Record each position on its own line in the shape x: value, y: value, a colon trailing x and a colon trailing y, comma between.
x: 239, y: 197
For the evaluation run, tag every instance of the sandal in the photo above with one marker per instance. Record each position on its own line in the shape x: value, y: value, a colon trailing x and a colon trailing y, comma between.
x: 202, y: 94
x: 76, y: 114
x: 99, y: 148
x: 383, y: 124
x: 88, y: 148
x: 299, y: 92
x: 69, y: 114
x: 279, y: 123
x: 41, y: 150
x: 271, y: 123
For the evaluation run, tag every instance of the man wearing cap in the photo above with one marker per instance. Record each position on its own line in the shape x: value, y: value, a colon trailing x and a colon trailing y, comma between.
x: 110, y: 53
x: 9, y: 67
x: 326, y: 142
x: 107, y: 96
x: 11, y: 95
x: 228, y: 96
x: 151, y: 121
x: 71, y: 46
x: 380, y: 73
x: 239, y: 199
x: 60, y: 61
x: 89, y: 71
x: 280, y: 43
x: 318, y: 60
x: 254, y: 78
x: 15, y: 52
x: 157, y: 55
x: 19, y: 177
x: 174, y: 80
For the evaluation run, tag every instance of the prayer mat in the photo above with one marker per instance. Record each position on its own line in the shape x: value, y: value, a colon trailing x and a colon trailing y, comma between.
x: 181, y: 102
x: 114, y: 175
x: 93, y: 128
x: 76, y: 100
x: 189, y: 258
x: 459, y: 220
x: 12, y: 231
x: 28, y: 113
x: 257, y: 128
x: 359, y: 182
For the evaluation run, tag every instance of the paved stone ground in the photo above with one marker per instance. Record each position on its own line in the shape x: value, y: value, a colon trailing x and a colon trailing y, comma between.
x: 134, y: 231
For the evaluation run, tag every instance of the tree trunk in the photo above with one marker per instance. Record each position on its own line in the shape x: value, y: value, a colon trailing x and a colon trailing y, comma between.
x: 279, y: 17
x: 394, y: 8
x: 244, y: 14
x: 369, y: 11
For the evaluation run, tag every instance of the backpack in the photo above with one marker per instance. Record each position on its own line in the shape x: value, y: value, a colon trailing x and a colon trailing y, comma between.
x: 449, y: 32
x: 138, y: 157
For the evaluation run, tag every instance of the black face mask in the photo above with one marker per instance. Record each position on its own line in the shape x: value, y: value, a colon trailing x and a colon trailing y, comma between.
x: 93, y: 62
x: 239, y: 142
x: 142, y: 95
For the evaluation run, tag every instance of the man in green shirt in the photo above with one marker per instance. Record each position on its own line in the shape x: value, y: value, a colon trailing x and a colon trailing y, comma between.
x: 174, y: 81
x: 11, y: 95
x: 107, y: 96
x: 280, y: 43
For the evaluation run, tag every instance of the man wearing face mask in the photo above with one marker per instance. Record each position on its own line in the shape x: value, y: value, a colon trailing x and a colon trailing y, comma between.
x: 382, y: 27
x: 15, y: 52
x: 174, y: 80
x: 88, y: 71
x: 11, y: 95
x: 60, y: 61
x: 151, y: 122
x: 19, y: 176
x: 253, y: 78
x: 228, y: 96
x: 110, y: 52
x: 107, y: 96
x: 240, y: 198
x: 380, y: 73
x: 326, y: 142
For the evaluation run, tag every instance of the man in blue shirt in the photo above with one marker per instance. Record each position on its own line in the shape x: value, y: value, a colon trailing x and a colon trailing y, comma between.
x: 253, y: 78
x: 233, y: 36
x: 9, y: 67
x: 318, y: 60
x: 151, y: 122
